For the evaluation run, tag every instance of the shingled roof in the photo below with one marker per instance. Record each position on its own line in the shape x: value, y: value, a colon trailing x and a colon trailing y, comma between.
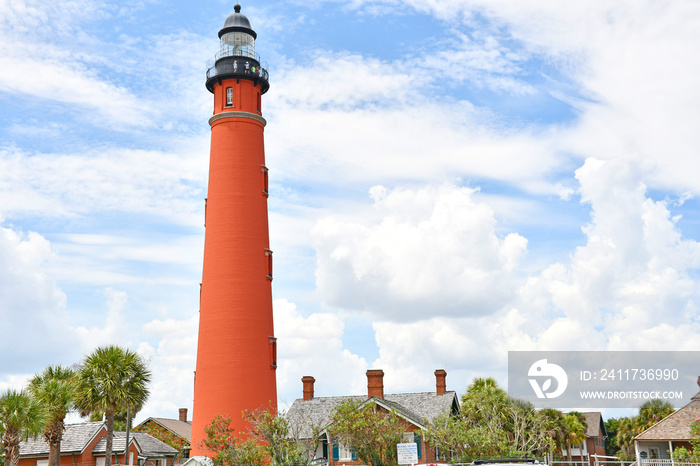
x: 418, y: 408
x: 148, y: 446
x: 176, y: 426
x: 76, y: 438
x: 675, y: 426
x: 594, y: 422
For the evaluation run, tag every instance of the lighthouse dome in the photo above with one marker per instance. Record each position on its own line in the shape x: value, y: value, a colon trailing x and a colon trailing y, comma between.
x: 237, y: 21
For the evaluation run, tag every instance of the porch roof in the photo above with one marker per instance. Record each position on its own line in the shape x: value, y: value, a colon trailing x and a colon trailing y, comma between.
x: 675, y: 426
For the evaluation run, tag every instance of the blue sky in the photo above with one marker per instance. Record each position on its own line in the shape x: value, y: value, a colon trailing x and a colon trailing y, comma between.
x: 450, y: 180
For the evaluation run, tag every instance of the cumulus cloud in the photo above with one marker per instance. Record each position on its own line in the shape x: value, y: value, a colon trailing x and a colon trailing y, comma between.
x: 31, y: 301
x: 312, y: 345
x: 631, y: 286
x: 171, y: 360
x: 431, y: 251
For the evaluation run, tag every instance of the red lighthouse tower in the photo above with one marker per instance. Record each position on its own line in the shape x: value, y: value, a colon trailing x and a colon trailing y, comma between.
x: 236, y: 350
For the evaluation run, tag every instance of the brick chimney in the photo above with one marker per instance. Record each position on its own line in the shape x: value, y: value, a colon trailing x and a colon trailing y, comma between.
x: 440, y: 383
x: 308, y: 382
x: 183, y: 414
x: 375, y: 383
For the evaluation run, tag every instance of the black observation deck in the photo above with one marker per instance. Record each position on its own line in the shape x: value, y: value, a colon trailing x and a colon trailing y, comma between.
x: 232, y: 65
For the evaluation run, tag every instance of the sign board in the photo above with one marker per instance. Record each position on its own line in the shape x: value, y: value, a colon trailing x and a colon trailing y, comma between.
x: 407, y: 453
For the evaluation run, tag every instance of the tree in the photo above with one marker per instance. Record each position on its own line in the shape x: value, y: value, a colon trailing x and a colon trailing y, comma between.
x: 486, y: 404
x: 650, y: 413
x: 273, y: 435
x: 20, y: 418
x: 111, y: 379
x: 371, y: 431
x: 625, y: 438
x: 466, y: 440
x: 575, y: 427
x: 54, y: 390
x: 492, y: 424
x: 528, y: 429
x: 553, y: 426
x: 268, y: 442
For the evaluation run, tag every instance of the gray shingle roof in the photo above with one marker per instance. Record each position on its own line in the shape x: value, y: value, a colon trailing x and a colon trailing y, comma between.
x: 118, y: 443
x: 147, y: 445
x: 419, y: 408
x: 76, y: 438
x: 153, y: 447
x: 180, y: 428
x: 594, y: 421
x: 675, y: 426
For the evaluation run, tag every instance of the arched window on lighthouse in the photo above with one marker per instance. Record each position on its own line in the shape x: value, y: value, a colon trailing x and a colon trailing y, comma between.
x: 229, y: 97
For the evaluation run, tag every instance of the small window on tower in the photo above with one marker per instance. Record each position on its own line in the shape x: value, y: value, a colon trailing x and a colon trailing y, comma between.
x: 268, y: 254
x: 273, y: 352
x: 229, y: 97
x: 264, y: 170
x: 259, y: 111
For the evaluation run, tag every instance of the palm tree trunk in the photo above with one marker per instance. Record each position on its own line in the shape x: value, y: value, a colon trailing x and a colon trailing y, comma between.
x: 110, y: 437
x: 54, y: 454
x: 15, y: 455
x: 53, y: 436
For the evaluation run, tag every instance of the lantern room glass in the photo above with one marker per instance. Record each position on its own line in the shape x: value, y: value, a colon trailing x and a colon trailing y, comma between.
x: 239, y: 44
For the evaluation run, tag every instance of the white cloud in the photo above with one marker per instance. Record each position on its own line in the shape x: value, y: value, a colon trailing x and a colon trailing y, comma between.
x: 160, y: 185
x: 428, y: 251
x: 313, y: 345
x: 632, y: 286
x: 30, y: 301
x: 367, y: 122
x: 172, y: 363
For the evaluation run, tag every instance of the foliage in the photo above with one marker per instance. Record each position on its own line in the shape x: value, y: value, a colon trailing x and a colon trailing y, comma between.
x: 54, y: 389
x: 272, y: 433
x: 574, y: 431
x: 372, y: 432
x: 20, y: 418
x: 112, y: 379
x: 465, y: 440
x: 650, y: 413
x: 491, y: 424
x: 268, y: 442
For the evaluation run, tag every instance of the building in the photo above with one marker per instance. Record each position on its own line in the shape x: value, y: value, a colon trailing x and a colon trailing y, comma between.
x: 236, y: 349
x: 653, y: 447
x: 311, y: 414
x: 175, y: 432
x: 84, y: 445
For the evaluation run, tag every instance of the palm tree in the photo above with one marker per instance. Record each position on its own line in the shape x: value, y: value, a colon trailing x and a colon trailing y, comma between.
x: 652, y: 412
x: 575, y: 431
x: 554, y: 428
x: 54, y: 389
x: 625, y: 438
x: 20, y: 418
x: 112, y: 379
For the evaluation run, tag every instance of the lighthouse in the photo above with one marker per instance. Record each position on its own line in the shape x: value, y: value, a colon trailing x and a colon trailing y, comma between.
x: 236, y: 349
